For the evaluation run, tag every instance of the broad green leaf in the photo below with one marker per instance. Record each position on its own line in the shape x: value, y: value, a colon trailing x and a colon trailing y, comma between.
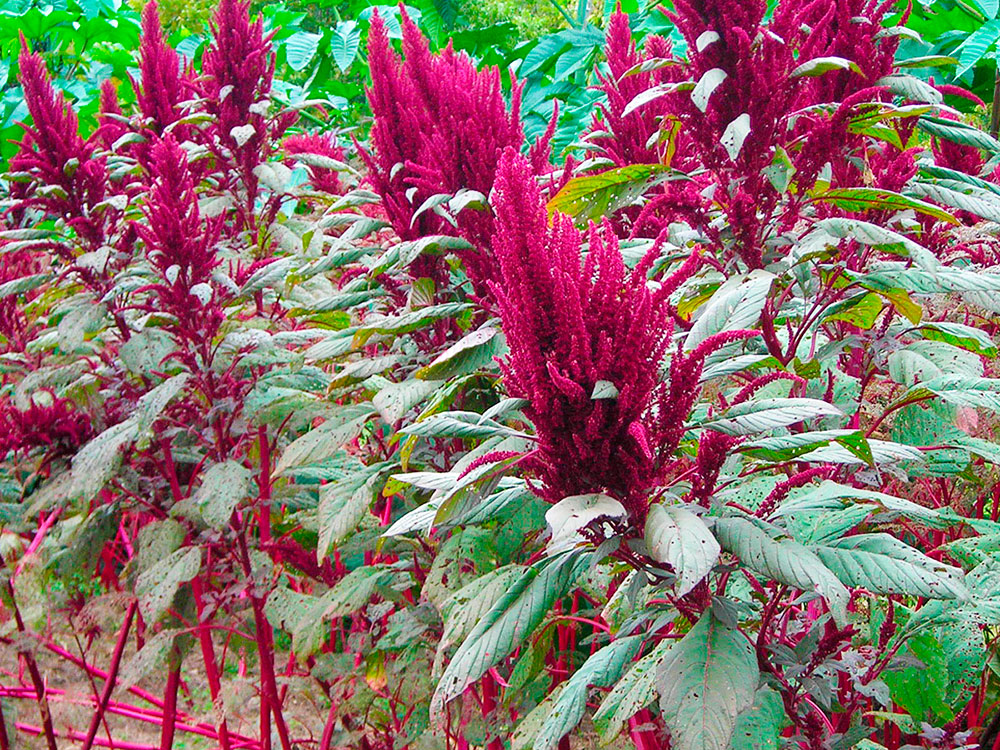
x: 473, y: 351
x: 769, y: 413
x: 603, y: 669
x: 634, y: 691
x: 595, y: 196
x: 759, y: 727
x: 735, y: 135
x: 976, y: 45
x: 322, y: 442
x: 156, y: 587
x: 221, y: 490
x: 459, y: 424
x: 344, y: 44
x: 676, y: 536
x: 394, y: 400
x: 787, y: 447
x: 959, y: 390
x: 98, y: 460
x: 514, y: 617
x: 737, y: 304
x: 875, y: 199
x: 764, y: 549
x: 708, y: 83
x: 958, y: 132
x: 566, y: 518
x: 884, y: 565
x: 704, y: 682
x: 820, y: 65
x: 300, y: 49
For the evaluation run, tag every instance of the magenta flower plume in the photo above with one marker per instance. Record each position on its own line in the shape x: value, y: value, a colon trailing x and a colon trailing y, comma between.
x: 574, y: 324
x: 323, y: 179
x: 179, y: 243
x: 163, y: 85
x: 238, y: 67
x: 51, y: 422
x: 54, y: 154
x: 628, y: 135
x: 446, y: 123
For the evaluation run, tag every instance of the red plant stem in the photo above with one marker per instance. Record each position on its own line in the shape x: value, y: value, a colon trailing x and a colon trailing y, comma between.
x: 264, y: 512
x: 489, y: 706
x: 112, y: 678
x: 265, y: 650
x: 150, y: 716
x: 36, y: 675
x: 72, y: 734
x: 644, y: 739
x: 170, y: 701
x: 4, y: 739
x: 208, y: 657
x: 37, y: 540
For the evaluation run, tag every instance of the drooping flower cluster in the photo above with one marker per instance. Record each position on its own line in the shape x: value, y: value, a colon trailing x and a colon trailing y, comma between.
x: 179, y: 243
x: 48, y: 422
x: 52, y: 153
x: 163, y: 84
x: 724, y: 126
x: 588, y: 339
x: 439, y: 126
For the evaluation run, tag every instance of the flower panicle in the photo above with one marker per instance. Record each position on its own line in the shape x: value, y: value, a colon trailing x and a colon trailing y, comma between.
x: 54, y: 154
x: 163, y: 83
x: 179, y: 242
x: 238, y: 70
x: 439, y: 126
x: 588, y: 338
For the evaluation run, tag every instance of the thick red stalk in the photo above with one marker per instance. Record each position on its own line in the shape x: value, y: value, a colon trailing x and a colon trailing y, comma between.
x: 112, y: 678
x: 170, y: 701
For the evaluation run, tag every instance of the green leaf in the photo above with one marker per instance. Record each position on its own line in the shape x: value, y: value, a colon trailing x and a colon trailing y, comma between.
x: 707, y: 84
x: 97, y: 461
x: 300, y: 49
x: 958, y: 132
x: 394, y: 400
x: 221, y: 490
x: 959, y: 390
x: 632, y: 693
x: 737, y: 304
x: 971, y: 51
x: 602, y: 669
x: 343, y: 504
x: 567, y: 517
x: 884, y: 565
x: 874, y: 199
x: 458, y: 424
x: 759, y: 727
x: 769, y: 413
x: 763, y: 548
x: 595, y: 196
x: 676, y: 536
x: 820, y: 65
x: 513, y: 618
x: 735, y: 135
x: 156, y: 587
x: 322, y: 442
x: 344, y: 44
x: 705, y: 681
x: 472, y: 352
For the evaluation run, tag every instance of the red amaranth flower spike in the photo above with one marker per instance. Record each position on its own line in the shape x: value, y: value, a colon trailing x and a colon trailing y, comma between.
x: 48, y: 422
x: 578, y: 325
x: 53, y: 152
x: 238, y: 69
x: 439, y: 126
x: 163, y: 84
x: 179, y: 243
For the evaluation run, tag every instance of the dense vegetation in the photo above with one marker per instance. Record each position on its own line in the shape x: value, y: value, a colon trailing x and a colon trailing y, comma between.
x: 630, y: 385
